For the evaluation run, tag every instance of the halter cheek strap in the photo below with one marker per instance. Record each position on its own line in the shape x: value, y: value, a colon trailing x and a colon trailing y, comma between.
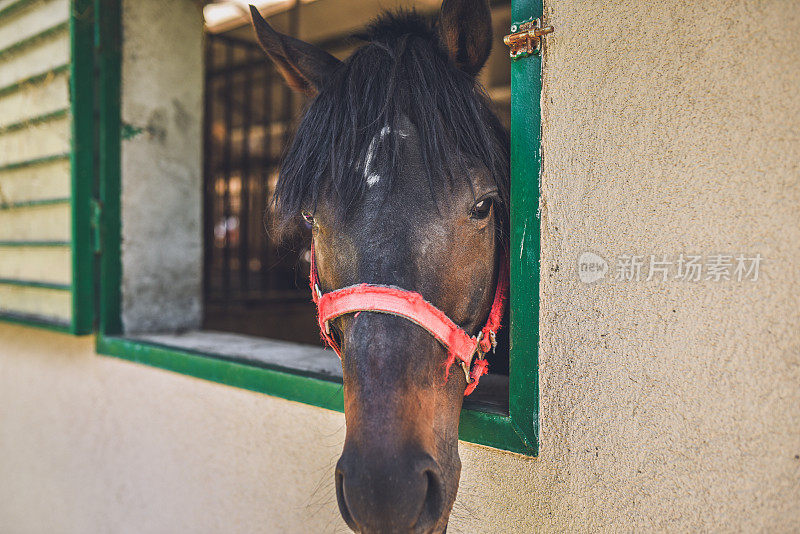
x: 468, y: 350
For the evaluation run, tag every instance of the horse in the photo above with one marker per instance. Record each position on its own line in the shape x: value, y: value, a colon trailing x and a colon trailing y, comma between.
x: 401, y: 168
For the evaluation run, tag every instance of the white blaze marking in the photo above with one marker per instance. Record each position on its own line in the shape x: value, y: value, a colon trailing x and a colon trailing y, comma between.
x: 373, y: 177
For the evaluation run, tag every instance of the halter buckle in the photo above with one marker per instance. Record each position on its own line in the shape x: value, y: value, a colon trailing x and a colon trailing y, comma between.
x: 480, y: 354
x: 465, y: 367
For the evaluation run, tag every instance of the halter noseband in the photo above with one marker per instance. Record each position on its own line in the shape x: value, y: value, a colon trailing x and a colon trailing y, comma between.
x: 412, y: 306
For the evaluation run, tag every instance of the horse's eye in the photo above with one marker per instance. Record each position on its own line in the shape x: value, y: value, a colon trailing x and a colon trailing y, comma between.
x: 308, y: 217
x: 481, y: 209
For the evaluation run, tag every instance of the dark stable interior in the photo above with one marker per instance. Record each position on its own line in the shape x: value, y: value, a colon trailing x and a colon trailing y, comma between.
x: 254, y: 284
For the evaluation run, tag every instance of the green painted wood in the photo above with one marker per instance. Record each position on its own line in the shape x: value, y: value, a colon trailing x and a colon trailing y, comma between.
x: 33, y: 40
x: 525, y: 236
x: 34, y: 121
x: 35, y: 244
x: 31, y: 162
x: 12, y: 10
x: 283, y: 384
x: 108, y: 25
x: 488, y: 429
x: 16, y: 7
x: 81, y: 156
x: 34, y: 283
x: 33, y: 203
x: 82, y: 165
x: 517, y: 432
x: 45, y: 323
x: 491, y: 430
x: 35, y: 79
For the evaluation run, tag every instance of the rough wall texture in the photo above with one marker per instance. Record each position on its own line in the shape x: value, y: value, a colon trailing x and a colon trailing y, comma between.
x: 162, y: 103
x: 665, y: 406
x: 670, y: 404
x: 94, y: 444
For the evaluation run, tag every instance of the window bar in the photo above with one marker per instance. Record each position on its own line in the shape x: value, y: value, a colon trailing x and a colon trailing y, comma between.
x: 208, y: 171
x: 244, y: 192
x: 294, y: 30
x: 266, y: 170
x: 226, y: 173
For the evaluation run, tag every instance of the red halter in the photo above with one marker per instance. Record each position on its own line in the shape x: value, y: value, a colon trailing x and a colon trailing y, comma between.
x: 412, y: 306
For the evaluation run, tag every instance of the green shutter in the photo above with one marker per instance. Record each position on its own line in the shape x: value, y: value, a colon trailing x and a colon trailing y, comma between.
x: 46, y: 163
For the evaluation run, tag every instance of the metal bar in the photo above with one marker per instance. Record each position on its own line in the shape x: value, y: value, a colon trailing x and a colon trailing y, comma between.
x: 240, y: 67
x: 244, y: 192
x: 226, y: 166
x: 208, y: 179
x: 34, y: 79
x: 33, y: 162
x: 35, y: 244
x: 33, y: 203
x: 35, y: 121
x: 258, y: 161
x: 35, y: 284
x: 236, y: 41
x: 266, y: 169
x: 19, y: 46
x: 275, y: 296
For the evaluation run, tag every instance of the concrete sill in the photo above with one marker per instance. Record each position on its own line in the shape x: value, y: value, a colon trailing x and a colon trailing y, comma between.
x: 307, y: 360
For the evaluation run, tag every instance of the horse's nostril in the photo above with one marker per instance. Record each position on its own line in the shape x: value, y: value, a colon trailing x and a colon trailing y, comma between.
x: 340, y: 498
x: 389, y: 496
x: 434, y: 502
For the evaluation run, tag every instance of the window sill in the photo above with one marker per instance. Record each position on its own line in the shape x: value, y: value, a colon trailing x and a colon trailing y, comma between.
x: 301, y: 373
x: 296, y: 358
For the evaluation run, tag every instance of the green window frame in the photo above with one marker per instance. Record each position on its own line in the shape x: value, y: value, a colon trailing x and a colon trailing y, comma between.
x: 517, y: 432
x: 80, y: 70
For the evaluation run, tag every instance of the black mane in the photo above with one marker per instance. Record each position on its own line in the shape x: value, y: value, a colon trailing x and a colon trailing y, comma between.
x: 402, y: 72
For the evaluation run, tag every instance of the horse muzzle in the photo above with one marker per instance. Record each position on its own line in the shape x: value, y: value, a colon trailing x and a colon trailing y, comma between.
x: 404, y: 493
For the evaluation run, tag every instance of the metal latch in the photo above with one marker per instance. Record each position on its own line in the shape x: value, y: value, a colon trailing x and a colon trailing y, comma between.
x: 525, y: 38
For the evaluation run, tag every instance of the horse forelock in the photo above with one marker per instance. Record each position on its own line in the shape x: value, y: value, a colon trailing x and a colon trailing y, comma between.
x: 401, y: 75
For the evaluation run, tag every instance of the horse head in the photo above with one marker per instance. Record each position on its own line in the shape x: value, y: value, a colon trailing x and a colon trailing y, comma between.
x: 401, y: 168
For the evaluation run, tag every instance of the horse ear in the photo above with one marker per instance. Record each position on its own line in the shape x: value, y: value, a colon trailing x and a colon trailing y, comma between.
x: 465, y: 31
x: 304, y: 66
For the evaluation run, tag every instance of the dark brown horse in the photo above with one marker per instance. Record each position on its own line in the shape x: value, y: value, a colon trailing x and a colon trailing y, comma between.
x: 401, y: 168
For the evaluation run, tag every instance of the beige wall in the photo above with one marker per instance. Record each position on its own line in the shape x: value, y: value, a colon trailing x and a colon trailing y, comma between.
x: 668, y: 127
x: 90, y: 444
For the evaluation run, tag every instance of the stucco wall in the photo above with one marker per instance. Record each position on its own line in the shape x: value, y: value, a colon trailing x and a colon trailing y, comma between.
x: 95, y: 444
x: 162, y: 181
x: 668, y: 128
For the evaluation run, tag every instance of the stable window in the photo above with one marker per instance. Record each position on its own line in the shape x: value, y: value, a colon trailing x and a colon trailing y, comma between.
x: 191, y: 127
